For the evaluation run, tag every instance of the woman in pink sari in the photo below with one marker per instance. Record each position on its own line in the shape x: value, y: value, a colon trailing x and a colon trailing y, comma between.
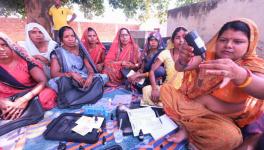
x: 123, y: 54
x: 20, y: 74
x: 95, y: 48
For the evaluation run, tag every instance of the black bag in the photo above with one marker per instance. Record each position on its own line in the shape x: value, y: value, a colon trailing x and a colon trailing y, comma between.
x: 32, y: 114
x: 60, y: 129
x: 70, y: 96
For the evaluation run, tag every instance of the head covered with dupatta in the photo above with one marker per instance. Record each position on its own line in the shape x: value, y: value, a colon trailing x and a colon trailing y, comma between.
x: 230, y: 93
x: 31, y: 47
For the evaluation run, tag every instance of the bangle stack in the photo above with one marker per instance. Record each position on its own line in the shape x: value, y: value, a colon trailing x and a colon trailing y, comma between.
x: 248, y: 79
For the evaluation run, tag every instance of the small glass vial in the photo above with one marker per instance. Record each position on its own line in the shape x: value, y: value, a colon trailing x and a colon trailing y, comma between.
x: 141, y: 135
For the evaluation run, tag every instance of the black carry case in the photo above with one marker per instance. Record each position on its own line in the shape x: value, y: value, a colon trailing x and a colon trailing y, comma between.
x: 60, y: 129
x: 32, y: 114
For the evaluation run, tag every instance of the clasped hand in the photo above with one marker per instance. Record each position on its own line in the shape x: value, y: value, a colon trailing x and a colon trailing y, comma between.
x: 127, y: 64
x: 81, y: 81
x: 13, y: 110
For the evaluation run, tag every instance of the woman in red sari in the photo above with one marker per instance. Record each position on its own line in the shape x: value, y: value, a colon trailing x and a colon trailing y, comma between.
x: 123, y: 54
x: 95, y: 48
x: 19, y: 74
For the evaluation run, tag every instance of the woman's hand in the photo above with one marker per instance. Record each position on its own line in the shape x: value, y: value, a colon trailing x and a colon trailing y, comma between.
x: 100, y: 67
x: 226, y: 68
x: 14, y: 110
x: 127, y: 64
x: 88, y: 82
x: 185, y: 54
x: 155, y: 95
x: 134, y: 78
x: 4, y: 102
x: 77, y: 77
x: 42, y: 59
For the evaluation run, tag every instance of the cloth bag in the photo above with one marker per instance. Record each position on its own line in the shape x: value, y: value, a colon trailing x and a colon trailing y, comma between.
x: 70, y: 95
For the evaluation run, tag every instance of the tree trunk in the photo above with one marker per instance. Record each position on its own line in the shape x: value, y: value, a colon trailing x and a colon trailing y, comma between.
x: 37, y: 11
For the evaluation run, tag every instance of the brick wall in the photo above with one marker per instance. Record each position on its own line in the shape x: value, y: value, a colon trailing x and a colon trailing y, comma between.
x: 14, y: 28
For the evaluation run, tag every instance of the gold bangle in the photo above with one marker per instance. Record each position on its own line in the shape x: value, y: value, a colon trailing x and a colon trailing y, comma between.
x: 248, y: 79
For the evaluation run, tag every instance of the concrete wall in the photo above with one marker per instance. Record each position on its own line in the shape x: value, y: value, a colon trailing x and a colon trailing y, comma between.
x: 207, y: 17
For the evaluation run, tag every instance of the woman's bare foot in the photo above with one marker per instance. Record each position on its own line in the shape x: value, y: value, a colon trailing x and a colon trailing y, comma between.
x: 179, y: 136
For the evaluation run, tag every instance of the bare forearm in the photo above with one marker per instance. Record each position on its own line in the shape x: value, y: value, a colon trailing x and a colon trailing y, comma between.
x: 34, y: 92
x: 143, y: 75
x: 192, y: 64
x: 152, y: 80
x: 256, y: 87
x: 61, y: 74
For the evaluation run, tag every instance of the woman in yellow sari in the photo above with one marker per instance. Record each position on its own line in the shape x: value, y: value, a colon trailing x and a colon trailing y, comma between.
x: 151, y: 92
x: 229, y: 93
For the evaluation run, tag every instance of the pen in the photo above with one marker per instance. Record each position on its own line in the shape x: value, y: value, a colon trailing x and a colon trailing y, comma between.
x: 157, y: 114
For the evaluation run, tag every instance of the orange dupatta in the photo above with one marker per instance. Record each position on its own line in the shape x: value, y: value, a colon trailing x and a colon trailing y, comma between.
x: 97, y: 54
x: 229, y: 93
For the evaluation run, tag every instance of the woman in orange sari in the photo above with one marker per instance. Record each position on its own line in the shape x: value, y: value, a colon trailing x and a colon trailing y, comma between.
x: 220, y: 94
x: 20, y: 74
x: 95, y: 48
x: 124, y: 53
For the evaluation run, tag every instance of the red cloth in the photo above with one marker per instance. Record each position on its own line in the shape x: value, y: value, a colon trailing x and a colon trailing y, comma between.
x: 21, y: 73
x: 129, y: 53
x: 98, y: 52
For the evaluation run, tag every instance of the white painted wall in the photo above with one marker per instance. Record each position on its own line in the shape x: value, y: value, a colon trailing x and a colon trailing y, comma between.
x: 209, y: 16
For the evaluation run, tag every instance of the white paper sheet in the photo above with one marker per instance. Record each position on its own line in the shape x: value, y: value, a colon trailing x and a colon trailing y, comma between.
x: 142, y: 118
x: 82, y: 130
x: 167, y: 126
x: 146, y: 120
x: 86, y: 124
x: 131, y: 72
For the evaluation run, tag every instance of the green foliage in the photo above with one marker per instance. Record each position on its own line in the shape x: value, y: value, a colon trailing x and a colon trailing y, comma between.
x: 12, y: 7
x: 142, y: 9
x: 180, y: 3
x: 91, y: 8
x: 145, y: 9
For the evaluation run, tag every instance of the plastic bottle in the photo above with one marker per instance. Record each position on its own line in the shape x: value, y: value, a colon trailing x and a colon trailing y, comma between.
x: 110, y: 124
